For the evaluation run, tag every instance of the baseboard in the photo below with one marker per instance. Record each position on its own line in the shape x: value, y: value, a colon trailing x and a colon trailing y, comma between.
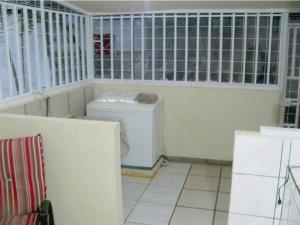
x: 198, y: 160
x: 142, y: 172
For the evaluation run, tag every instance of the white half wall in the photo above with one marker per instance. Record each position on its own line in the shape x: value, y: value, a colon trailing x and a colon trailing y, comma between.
x: 62, y: 102
x: 82, y: 166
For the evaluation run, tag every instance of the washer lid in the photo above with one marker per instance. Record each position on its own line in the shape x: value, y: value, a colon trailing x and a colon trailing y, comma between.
x: 111, y: 97
x: 119, y: 106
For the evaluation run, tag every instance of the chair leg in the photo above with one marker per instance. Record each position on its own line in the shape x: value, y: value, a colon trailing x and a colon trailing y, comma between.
x: 46, y: 213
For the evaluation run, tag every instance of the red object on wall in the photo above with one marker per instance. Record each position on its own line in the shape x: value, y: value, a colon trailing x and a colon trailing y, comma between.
x: 106, y: 44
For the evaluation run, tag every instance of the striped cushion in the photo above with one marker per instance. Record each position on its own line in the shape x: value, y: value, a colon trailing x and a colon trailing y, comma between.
x: 29, y: 219
x: 22, y: 178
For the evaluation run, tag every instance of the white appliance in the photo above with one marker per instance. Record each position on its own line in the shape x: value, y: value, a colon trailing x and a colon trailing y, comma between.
x: 142, y: 118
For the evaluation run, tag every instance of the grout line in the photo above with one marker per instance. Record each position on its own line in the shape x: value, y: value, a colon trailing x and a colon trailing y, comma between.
x: 221, y: 210
x: 147, y: 185
x: 195, y: 189
x: 214, y: 216
x: 242, y: 214
x: 180, y: 194
x: 191, y: 207
x: 137, y: 201
x: 138, y: 223
x: 196, y: 175
x: 278, y: 185
x: 255, y: 175
x: 224, y: 192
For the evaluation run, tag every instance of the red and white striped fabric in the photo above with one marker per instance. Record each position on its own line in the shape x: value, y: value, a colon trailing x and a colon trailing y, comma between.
x: 28, y: 219
x: 22, y: 177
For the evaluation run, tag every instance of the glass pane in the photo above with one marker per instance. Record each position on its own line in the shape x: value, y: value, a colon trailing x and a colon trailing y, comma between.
x: 85, y: 24
x: 250, y: 49
x: 137, y: 48
x: 180, y: 62
x: 61, y: 49
x: 106, y: 48
x: 203, y: 43
x: 274, y: 61
x: 55, y: 49
x: 148, y: 29
x: 4, y: 72
x: 215, y: 51
x: 238, y: 49
x: 262, y: 60
x: 297, y: 55
x: 292, y: 86
x: 289, y: 114
x: 290, y: 54
x: 158, y: 48
x: 192, y: 45
x: 170, y: 48
x: 117, y: 48
x: 226, y: 52
x: 22, y: 41
x: 97, y: 47
x: 48, y: 44
x: 127, y: 48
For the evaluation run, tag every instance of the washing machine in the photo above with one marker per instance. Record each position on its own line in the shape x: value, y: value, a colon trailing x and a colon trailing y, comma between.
x: 141, y: 115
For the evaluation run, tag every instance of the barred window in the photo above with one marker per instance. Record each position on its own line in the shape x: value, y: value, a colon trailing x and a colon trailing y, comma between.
x: 235, y: 48
x: 40, y: 49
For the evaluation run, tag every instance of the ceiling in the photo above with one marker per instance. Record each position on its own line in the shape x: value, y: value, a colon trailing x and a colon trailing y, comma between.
x: 150, y: 5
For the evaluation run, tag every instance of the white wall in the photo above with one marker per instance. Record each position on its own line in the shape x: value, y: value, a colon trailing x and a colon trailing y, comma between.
x: 200, y: 122
x: 82, y: 166
x: 66, y: 100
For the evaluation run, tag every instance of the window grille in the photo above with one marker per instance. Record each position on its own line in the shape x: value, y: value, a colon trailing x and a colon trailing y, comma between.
x: 232, y: 48
x: 48, y: 4
x: 40, y: 48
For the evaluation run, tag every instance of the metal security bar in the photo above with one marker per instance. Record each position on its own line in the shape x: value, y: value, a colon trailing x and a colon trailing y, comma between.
x: 40, y: 49
x: 222, y: 47
x: 291, y: 101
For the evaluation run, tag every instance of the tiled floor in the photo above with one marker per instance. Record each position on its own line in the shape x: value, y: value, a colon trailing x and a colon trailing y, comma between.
x: 180, y: 194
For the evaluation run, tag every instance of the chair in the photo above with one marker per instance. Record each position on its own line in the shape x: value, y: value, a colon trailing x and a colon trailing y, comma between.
x: 22, y: 183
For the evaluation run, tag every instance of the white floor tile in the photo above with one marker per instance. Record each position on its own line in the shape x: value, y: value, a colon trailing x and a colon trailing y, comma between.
x: 132, y: 191
x: 223, y: 201
x: 226, y: 171
x: 127, y: 207
x: 189, y: 216
x: 225, y: 185
x: 198, y: 199
x: 173, y: 167
x: 206, y: 170
x: 276, y: 222
x: 128, y: 223
x: 202, y: 183
x: 169, y: 180
x: 149, y: 213
x: 161, y: 195
x: 236, y: 219
x: 221, y: 218
x: 138, y: 180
